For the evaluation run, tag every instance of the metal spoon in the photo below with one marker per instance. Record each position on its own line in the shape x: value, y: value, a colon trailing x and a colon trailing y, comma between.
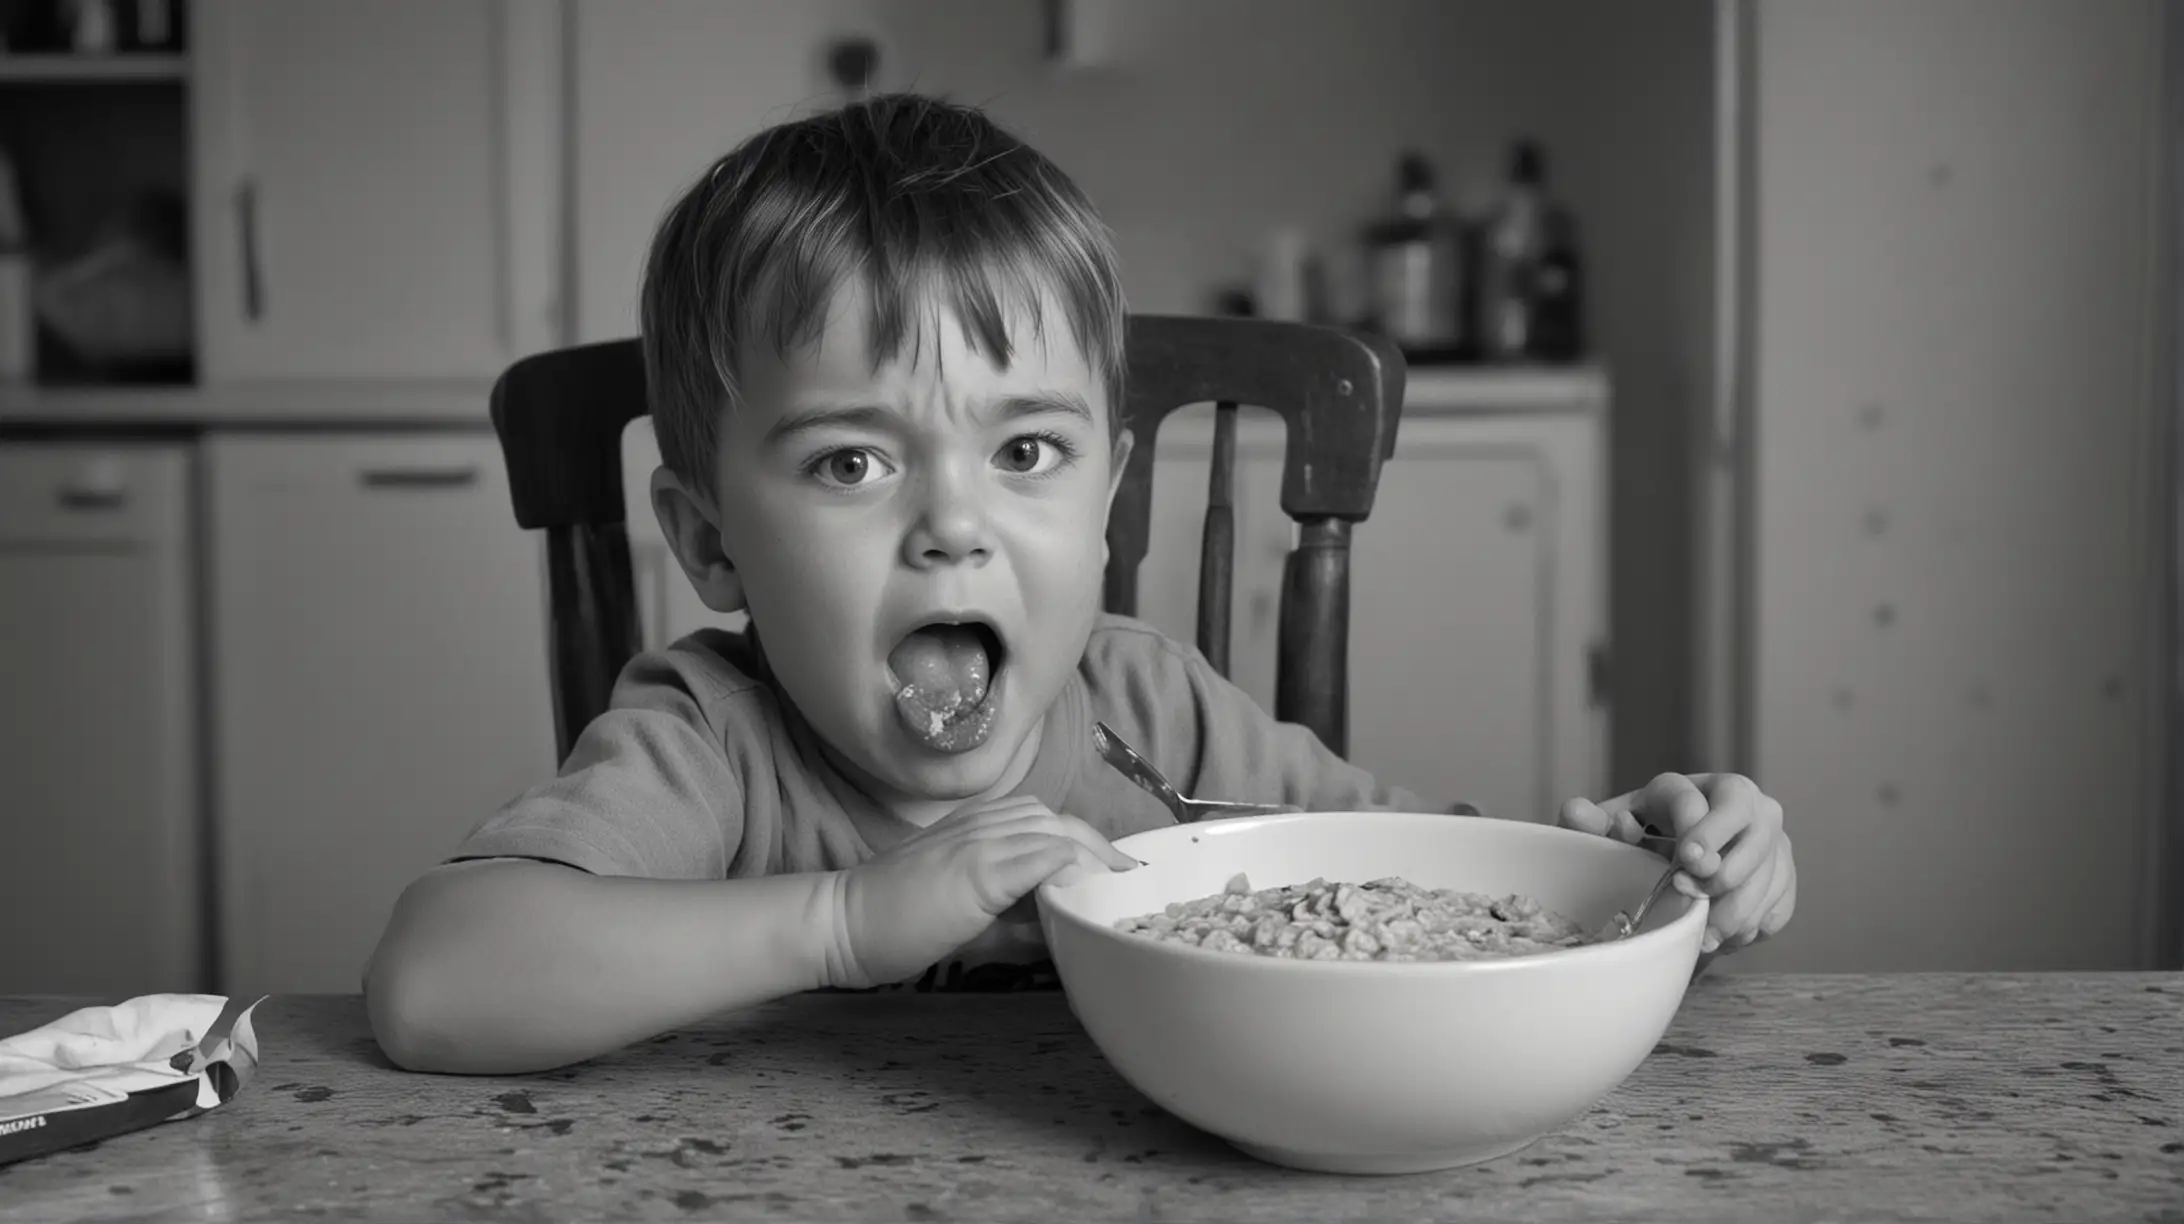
x: 1623, y: 926
x: 1127, y: 762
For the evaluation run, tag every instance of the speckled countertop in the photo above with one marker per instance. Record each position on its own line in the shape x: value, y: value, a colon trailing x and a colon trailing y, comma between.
x: 1779, y: 1098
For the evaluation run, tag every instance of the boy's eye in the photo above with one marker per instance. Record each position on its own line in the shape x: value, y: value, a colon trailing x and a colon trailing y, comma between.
x: 846, y: 468
x: 1032, y: 454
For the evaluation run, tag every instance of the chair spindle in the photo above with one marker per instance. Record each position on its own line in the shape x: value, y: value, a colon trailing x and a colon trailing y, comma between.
x: 1217, y: 544
x: 1314, y: 671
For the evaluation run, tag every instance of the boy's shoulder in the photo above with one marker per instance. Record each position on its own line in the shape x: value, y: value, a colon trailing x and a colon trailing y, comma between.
x: 704, y: 670
x: 714, y: 680
x: 1125, y: 643
x: 1133, y: 663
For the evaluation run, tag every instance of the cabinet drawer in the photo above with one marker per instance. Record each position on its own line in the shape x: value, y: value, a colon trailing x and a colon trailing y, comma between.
x: 75, y: 494
x: 379, y: 627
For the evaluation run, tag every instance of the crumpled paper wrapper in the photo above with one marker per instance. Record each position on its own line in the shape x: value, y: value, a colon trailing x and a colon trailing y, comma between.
x: 103, y: 1071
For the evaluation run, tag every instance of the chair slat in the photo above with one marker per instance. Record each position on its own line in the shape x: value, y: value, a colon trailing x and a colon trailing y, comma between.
x: 592, y: 622
x: 560, y: 417
x: 1217, y: 544
x: 1312, y: 673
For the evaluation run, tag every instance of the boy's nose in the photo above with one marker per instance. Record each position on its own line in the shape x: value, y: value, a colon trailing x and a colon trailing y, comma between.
x: 952, y: 529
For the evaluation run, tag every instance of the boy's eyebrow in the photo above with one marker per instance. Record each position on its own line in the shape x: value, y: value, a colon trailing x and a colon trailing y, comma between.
x: 862, y: 415
x: 869, y: 416
x: 1040, y: 403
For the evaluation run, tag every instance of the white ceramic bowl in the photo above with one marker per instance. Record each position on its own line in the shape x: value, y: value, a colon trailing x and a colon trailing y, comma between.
x: 1372, y: 1067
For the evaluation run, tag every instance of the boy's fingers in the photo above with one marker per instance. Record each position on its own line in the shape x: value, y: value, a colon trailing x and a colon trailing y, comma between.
x: 1739, y: 911
x: 1073, y: 867
x: 1777, y: 888
x: 1756, y: 845
x: 1675, y: 802
x: 1015, y: 817
x: 1092, y: 839
x: 1743, y: 927
x: 1097, y: 842
x: 1018, y: 864
x: 1735, y: 807
x: 1777, y: 916
x: 1048, y: 823
x: 1585, y: 816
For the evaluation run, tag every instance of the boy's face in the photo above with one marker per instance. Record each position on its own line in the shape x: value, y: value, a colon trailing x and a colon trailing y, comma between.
x: 862, y: 510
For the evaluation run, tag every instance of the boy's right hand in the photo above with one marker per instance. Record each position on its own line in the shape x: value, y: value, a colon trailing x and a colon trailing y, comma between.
x: 940, y: 888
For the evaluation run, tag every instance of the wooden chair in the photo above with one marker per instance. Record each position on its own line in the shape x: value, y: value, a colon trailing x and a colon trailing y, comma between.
x: 560, y: 416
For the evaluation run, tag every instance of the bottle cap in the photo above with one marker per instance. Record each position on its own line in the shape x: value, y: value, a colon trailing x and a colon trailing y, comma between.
x: 1414, y: 173
x: 1527, y: 163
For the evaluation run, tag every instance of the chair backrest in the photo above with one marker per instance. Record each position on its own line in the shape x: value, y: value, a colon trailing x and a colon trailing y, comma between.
x: 560, y: 416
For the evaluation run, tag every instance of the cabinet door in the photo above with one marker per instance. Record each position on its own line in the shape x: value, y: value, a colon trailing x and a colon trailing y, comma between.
x: 100, y: 885
x: 660, y: 91
x: 1475, y: 611
x: 381, y: 669
x: 1475, y: 599
x: 372, y: 189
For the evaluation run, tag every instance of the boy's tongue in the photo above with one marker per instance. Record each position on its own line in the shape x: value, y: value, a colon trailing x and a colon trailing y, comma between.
x: 943, y: 671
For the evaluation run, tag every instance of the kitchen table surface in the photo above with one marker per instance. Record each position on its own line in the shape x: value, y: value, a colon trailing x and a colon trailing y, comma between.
x: 2043, y: 1096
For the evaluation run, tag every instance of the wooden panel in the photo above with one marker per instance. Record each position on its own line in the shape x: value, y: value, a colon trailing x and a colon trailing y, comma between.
x: 354, y: 194
x: 380, y: 650
x: 100, y: 886
x: 1955, y: 411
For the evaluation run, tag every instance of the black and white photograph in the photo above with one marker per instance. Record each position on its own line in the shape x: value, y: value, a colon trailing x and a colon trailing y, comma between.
x: 1157, y: 610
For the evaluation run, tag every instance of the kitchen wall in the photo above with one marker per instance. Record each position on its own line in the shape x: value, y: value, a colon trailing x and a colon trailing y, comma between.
x: 1634, y: 119
x: 1217, y: 120
x: 1961, y: 339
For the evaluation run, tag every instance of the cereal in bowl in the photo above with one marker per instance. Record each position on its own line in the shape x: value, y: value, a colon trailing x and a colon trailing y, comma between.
x: 1388, y: 919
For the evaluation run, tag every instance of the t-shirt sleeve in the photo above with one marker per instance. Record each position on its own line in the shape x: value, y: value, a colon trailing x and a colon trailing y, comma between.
x: 1216, y: 742
x: 647, y: 790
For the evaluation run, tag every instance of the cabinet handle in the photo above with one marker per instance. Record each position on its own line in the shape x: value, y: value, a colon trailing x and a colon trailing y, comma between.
x: 79, y: 498
x: 246, y: 225
x: 419, y: 478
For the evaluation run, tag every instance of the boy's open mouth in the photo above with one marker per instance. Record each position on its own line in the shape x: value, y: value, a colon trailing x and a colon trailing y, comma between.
x: 946, y: 677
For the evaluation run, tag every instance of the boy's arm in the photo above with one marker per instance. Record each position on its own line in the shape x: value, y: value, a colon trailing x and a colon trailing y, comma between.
x: 623, y: 925
x: 506, y: 966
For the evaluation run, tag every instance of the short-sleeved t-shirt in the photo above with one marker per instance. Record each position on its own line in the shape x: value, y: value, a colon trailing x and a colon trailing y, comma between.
x: 702, y: 769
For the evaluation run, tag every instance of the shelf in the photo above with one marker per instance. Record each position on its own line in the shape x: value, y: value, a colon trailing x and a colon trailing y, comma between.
x: 1464, y: 389
x: 58, y: 69
x: 303, y: 405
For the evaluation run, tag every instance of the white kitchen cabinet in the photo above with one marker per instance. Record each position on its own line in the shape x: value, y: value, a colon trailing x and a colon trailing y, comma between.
x: 1477, y: 587
x: 1476, y: 590
x: 379, y: 643
x: 376, y: 186
x: 101, y: 877
x: 1957, y: 360
x: 659, y: 93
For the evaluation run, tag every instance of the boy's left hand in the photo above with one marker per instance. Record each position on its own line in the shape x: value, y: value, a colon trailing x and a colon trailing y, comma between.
x: 1733, y: 848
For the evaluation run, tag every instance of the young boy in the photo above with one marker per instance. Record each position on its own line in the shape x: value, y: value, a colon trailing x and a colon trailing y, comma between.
x: 885, y: 353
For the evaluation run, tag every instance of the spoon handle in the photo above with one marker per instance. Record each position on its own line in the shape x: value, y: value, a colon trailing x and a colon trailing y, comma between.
x: 1129, y: 764
x: 1660, y: 886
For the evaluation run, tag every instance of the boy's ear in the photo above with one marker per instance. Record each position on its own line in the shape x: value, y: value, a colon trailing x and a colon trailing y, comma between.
x: 691, y: 524
x: 1124, y: 440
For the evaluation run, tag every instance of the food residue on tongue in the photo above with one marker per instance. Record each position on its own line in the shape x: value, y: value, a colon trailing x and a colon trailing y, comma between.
x: 942, y: 673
